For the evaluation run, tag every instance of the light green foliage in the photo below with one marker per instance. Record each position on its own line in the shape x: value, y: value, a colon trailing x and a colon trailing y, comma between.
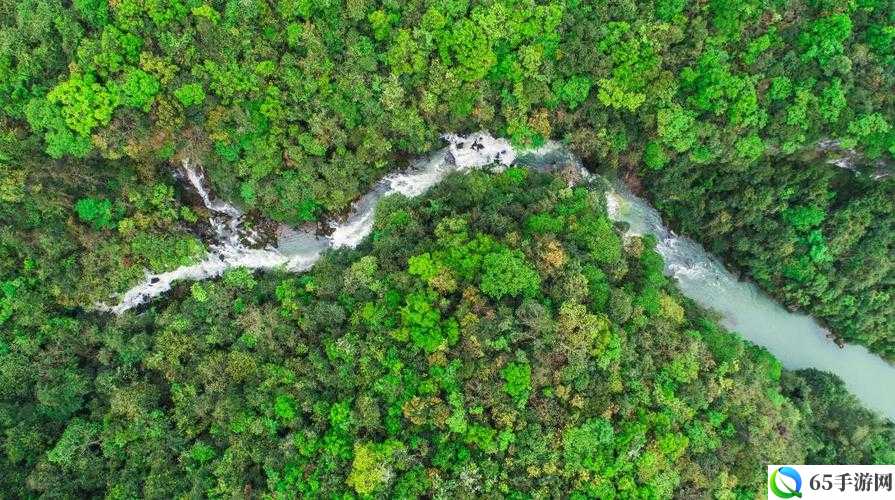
x: 117, y: 47
x: 76, y: 438
x: 423, y: 266
x: 370, y: 467
x: 634, y: 64
x: 138, y: 89
x: 832, y: 102
x: 518, y: 380
x: 544, y: 223
x: 380, y: 22
x: 208, y: 12
x: 483, y: 437
x: 872, y: 131
x: 164, y: 12
x: 715, y: 109
x: 677, y: 128
x: 202, y: 453
x: 654, y: 156
x: 95, y: 12
x: 12, y: 184
x: 597, y: 235
x: 198, y: 292
x: 684, y: 368
x: 240, y: 278
x: 574, y: 91
x: 362, y: 275
x: 824, y: 39
x: 164, y: 253
x: 758, y: 46
x: 85, y: 103
x: 750, y: 148
x: 59, y: 138
x: 613, y: 94
x: 588, y: 446
x: 506, y: 273
x: 781, y: 88
x: 671, y: 310
x: 285, y: 407
x: 804, y: 218
x: 311, y: 145
x: 352, y: 379
x: 190, y: 94
x: 422, y: 324
x: 730, y: 16
x: 666, y: 10
x: 711, y: 83
x: 582, y: 334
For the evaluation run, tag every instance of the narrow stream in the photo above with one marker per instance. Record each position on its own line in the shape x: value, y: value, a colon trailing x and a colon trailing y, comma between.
x: 795, y: 339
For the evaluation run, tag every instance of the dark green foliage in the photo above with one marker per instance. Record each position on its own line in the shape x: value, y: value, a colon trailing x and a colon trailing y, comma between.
x: 840, y: 431
x: 814, y: 236
x: 96, y: 212
x: 272, y: 97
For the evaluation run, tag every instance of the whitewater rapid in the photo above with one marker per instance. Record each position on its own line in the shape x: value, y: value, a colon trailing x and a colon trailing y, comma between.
x: 795, y: 339
x: 232, y: 248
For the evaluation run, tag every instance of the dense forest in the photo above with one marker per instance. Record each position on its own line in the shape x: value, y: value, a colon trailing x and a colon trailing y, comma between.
x: 493, y: 338
x: 295, y: 107
x: 497, y: 337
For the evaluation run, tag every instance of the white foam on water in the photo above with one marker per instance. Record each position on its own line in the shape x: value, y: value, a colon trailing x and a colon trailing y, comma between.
x: 197, y: 180
x: 299, y: 249
x: 463, y: 153
x: 227, y: 251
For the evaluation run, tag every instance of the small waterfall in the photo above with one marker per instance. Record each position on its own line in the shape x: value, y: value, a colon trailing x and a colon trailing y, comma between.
x: 197, y: 180
x: 848, y: 159
x: 228, y: 251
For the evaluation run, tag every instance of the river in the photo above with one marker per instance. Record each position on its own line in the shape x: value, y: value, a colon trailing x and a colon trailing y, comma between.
x: 795, y: 339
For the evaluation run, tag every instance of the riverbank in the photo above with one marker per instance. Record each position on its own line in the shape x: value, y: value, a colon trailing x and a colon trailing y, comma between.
x: 817, y: 237
x: 795, y: 339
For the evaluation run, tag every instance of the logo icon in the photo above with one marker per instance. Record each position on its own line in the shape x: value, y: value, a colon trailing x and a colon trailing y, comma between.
x: 784, y: 490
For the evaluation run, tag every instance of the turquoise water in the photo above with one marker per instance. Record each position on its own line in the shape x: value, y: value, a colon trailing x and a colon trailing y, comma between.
x: 797, y: 340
